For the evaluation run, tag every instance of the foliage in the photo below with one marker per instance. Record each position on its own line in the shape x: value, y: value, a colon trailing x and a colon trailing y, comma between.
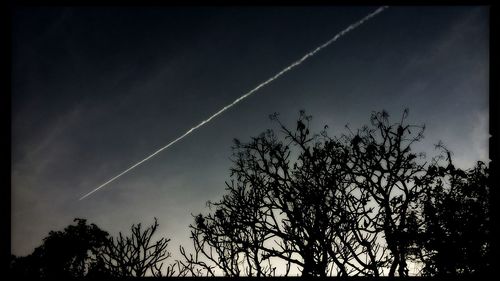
x: 456, y: 237
x: 65, y: 254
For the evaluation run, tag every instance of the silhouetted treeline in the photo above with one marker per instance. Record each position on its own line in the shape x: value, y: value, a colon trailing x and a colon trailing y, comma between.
x: 84, y: 250
x: 362, y: 203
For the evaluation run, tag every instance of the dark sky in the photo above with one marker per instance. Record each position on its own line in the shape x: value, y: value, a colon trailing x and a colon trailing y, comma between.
x: 95, y: 90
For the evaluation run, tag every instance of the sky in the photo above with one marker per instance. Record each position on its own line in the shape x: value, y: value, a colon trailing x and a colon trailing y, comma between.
x: 95, y: 90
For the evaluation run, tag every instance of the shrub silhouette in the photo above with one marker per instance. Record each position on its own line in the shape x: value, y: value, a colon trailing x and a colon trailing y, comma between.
x: 456, y: 236
x: 64, y: 254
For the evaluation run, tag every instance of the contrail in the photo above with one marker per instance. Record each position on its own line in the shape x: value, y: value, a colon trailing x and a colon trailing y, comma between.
x: 288, y: 68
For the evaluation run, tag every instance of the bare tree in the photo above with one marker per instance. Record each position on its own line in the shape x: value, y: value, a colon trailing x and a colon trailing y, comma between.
x: 384, y: 167
x: 285, y: 202
x: 137, y: 255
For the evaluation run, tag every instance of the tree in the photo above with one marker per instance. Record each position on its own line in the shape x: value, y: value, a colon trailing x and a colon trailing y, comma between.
x: 25, y: 267
x: 287, y: 201
x: 136, y: 255
x: 64, y: 254
x: 83, y: 250
x: 456, y: 235
x: 363, y: 203
x: 384, y: 168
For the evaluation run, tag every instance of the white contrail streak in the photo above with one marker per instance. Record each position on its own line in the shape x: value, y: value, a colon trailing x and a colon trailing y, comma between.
x: 288, y: 68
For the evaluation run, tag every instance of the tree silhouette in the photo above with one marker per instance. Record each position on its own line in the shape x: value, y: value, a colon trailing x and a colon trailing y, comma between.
x: 456, y: 236
x: 64, y: 254
x: 25, y: 267
x: 136, y: 255
x: 385, y: 169
x: 363, y: 203
x: 287, y: 200
x: 83, y: 250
